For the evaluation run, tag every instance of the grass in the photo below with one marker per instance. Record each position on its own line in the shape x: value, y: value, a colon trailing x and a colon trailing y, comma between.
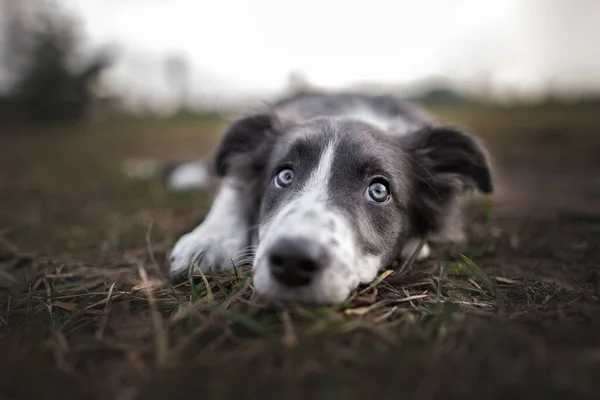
x: 85, y: 304
x: 72, y: 298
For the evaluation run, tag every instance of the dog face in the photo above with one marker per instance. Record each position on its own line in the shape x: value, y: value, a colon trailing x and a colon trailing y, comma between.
x: 334, y: 207
x: 342, y: 197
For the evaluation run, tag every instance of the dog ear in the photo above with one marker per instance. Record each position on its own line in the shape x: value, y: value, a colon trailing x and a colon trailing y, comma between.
x: 445, y: 163
x: 245, y: 144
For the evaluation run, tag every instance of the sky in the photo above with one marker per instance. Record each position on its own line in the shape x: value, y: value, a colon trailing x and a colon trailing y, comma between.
x: 252, y: 46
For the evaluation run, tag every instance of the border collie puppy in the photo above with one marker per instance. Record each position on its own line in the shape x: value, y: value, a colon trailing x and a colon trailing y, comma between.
x: 324, y: 190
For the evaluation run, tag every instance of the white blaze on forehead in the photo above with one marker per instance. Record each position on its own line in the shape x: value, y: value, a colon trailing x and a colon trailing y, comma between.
x: 320, y: 176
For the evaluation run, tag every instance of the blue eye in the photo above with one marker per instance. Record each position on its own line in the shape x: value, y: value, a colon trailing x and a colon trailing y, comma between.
x: 284, y: 178
x: 377, y: 192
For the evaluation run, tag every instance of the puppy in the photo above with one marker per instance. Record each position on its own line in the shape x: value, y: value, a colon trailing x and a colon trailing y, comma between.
x: 325, y: 189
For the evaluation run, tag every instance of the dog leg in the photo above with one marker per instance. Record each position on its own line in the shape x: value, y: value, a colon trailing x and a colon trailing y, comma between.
x: 411, y: 246
x: 220, y: 237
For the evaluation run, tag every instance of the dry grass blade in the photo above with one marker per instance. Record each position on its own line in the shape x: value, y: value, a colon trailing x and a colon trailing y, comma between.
x: 209, y: 294
x: 506, y: 281
x: 89, y: 272
x: 474, y: 304
x: 150, y: 285
x: 472, y: 281
x: 364, y: 310
x: 87, y: 309
x: 290, y: 339
x: 149, y: 245
x: 385, y: 316
x: 410, y: 298
x: 104, y: 320
x: 65, y: 305
x: 161, y: 341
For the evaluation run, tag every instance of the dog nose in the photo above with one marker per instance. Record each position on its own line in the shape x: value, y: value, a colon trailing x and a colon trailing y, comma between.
x: 294, y: 262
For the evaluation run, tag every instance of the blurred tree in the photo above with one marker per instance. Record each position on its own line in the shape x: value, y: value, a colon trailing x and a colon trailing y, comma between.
x: 55, y: 82
x: 177, y: 72
x: 13, y: 20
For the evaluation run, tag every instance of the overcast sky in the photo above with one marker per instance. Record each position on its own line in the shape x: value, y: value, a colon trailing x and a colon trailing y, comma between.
x: 254, y: 45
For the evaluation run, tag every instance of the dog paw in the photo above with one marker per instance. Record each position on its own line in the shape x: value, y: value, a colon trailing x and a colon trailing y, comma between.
x: 410, y: 248
x: 208, y: 249
x: 424, y: 253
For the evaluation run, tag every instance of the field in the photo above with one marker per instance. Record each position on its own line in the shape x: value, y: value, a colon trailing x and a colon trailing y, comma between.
x: 85, y: 310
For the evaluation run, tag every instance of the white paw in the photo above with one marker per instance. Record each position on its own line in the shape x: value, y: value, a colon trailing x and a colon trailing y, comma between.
x: 424, y: 253
x: 411, y: 246
x: 209, y: 248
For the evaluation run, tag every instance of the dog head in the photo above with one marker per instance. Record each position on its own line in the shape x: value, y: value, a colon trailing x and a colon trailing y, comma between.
x: 342, y: 197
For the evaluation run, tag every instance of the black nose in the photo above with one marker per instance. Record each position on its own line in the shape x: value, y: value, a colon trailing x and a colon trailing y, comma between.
x: 294, y: 262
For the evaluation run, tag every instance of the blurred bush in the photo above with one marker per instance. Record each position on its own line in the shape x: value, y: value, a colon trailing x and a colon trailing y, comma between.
x: 54, y: 77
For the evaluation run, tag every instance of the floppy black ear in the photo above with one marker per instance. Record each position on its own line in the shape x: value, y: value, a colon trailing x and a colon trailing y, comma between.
x: 445, y: 163
x: 245, y: 145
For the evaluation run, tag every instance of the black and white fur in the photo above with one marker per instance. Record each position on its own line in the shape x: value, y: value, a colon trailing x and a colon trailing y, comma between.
x: 320, y: 237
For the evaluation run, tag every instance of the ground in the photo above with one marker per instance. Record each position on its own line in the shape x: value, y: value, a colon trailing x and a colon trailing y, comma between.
x: 85, y: 309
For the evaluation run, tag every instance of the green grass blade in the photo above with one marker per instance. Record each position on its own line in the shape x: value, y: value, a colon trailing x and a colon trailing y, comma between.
x: 477, y: 272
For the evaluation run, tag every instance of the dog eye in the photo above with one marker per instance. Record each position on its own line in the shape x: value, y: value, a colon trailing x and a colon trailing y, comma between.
x: 377, y: 192
x: 284, y: 178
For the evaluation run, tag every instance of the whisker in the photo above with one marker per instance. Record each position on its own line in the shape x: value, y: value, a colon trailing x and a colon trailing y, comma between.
x: 242, y: 262
x: 249, y: 247
x: 245, y: 260
x: 244, y: 254
x: 249, y: 254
